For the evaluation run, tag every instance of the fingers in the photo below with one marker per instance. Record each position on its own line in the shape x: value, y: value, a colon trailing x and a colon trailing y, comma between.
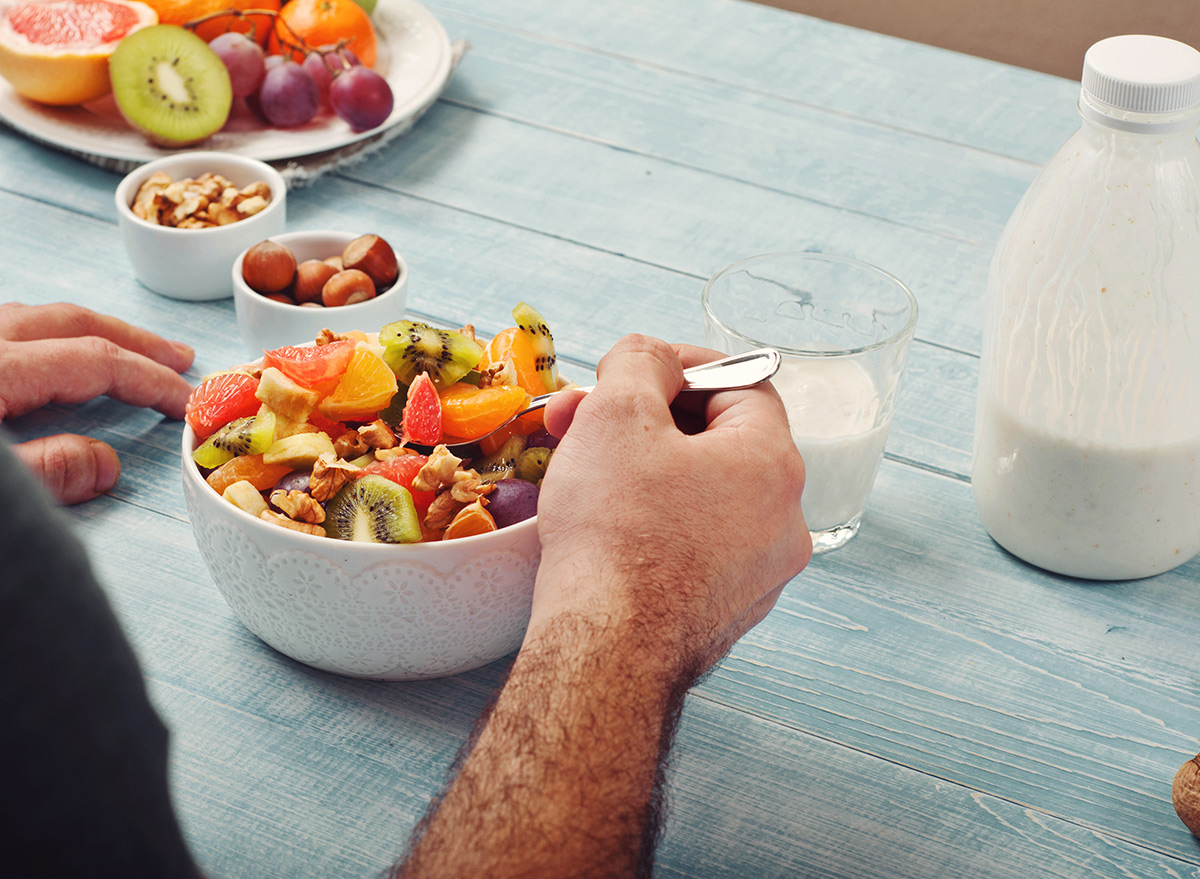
x: 74, y: 370
x: 72, y: 468
x: 641, y: 365
x: 561, y: 410
x: 25, y: 323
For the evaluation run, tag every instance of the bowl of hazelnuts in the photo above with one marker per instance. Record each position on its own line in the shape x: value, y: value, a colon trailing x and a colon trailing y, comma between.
x: 291, y: 286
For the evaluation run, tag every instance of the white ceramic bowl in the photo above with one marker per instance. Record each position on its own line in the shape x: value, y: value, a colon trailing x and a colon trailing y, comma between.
x: 193, y: 264
x: 365, y: 610
x: 267, y: 324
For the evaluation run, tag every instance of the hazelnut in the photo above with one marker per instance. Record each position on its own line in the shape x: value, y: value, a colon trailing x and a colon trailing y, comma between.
x: 311, y: 276
x: 268, y: 267
x: 373, y: 255
x: 348, y: 287
x: 335, y: 261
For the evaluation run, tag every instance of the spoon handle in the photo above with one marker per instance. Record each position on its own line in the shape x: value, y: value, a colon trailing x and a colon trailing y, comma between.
x: 727, y: 374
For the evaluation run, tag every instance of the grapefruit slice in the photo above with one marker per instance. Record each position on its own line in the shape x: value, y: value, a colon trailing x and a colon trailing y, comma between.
x: 57, y: 52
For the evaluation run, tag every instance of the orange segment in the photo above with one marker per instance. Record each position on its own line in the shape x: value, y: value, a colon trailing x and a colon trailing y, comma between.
x: 471, y: 519
x: 469, y: 412
x: 250, y: 468
x: 367, y: 386
x: 515, y: 345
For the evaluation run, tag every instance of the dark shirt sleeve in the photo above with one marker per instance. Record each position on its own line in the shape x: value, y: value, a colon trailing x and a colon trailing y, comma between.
x: 83, y: 755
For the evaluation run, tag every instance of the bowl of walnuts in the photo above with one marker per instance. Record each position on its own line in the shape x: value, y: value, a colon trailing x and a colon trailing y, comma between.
x: 185, y: 218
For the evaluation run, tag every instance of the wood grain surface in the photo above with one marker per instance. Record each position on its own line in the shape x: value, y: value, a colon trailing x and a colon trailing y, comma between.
x: 919, y: 703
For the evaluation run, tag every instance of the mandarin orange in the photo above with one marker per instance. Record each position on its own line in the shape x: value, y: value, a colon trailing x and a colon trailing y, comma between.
x: 324, y: 22
x: 182, y: 11
x: 515, y: 345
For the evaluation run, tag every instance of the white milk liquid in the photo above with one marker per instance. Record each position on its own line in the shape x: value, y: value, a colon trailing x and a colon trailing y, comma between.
x: 832, y: 406
x: 1087, y: 509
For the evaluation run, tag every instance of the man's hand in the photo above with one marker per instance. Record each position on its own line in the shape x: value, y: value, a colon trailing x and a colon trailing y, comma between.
x: 660, y: 547
x: 696, y: 534
x: 68, y: 354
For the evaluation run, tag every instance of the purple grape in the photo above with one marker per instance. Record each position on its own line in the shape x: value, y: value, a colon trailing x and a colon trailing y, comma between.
x: 361, y: 97
x: 325, y: 61
x: 297, y: 480
x: 243, y: 59
x: 542, y: 439
x: 288, y: 96
x: 512, y: 501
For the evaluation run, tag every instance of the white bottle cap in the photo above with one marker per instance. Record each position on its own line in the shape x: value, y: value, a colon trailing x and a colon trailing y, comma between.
x: 1141, y: 74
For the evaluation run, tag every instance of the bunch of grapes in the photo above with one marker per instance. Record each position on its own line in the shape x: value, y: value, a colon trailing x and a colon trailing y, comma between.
x: 287, y: 94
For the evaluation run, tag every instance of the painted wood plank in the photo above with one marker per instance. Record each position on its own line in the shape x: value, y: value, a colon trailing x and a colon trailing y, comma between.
x: 731, y: 131
x: 912, y: 87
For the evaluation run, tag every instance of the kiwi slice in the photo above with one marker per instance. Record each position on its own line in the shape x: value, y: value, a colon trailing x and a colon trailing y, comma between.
x: 373, y: 509
x: 251, y: 435
x: 502, y: 463
x: 411, y: 348
x: 169, y: 85
x: 531, y: 464
x: 534, y: 326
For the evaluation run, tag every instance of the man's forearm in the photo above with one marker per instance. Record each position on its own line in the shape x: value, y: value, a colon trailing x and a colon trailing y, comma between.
x: 563, y: 777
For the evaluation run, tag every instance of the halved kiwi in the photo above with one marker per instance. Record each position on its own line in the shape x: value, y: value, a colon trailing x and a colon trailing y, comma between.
x: 534, y: 326
x: 411, y: 348
x: 373, y: 509
x: 251, y: 435
x: 169, y: 85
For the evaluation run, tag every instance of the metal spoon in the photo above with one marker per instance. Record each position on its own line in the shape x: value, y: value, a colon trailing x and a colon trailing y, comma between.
x: 726, y: 374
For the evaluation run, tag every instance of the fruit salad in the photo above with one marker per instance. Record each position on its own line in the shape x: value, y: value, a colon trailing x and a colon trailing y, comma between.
x: 347, y: 437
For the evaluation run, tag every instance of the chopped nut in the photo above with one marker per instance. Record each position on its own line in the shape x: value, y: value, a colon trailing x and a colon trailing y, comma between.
x: 377, y: 435
x: 206, y: 201
x: 442, y: 511
x: 303, y: 527
x: 502, y: 373
x: 389, y: 454
x: 327, y: 335
x: 299, y: 506
x: 350, y: 445
x: 438, y: 471
x: 469, y: 332
x: 329, y: 474
x: 468, y: 487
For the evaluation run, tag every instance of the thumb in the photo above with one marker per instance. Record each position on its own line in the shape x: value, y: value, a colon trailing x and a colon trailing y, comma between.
x: 72, y: 468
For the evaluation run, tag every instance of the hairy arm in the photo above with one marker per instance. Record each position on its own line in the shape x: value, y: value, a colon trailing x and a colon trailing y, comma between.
x: 660, y: 547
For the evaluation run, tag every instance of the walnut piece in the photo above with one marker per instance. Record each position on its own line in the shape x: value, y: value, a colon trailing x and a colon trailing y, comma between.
x: 442, y: 511
x: 438, y: 471
x: 329, y: 474
x: 468, y: 487
x: 200, y: 203
x: 350, y: 445
x: 377, y: 435
x: 303, y: 527
x: 502, y: 373
x: 298, y: 506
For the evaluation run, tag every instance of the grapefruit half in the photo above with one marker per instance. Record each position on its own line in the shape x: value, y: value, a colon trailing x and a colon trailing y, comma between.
x: 57, y: 52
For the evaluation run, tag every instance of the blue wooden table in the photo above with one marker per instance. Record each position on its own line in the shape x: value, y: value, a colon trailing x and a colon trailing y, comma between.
x: 919, y: 704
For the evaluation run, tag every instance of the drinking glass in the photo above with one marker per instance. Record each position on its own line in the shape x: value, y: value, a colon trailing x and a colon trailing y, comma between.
x: 844, y: 328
